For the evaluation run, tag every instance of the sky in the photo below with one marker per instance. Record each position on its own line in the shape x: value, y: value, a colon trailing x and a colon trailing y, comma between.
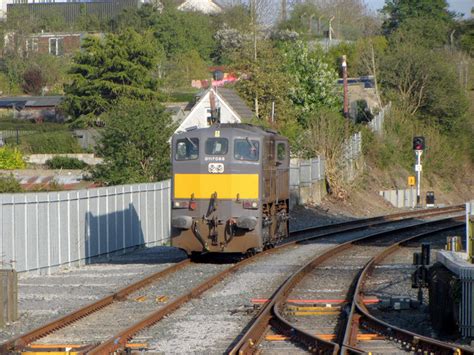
x: 462, y: 6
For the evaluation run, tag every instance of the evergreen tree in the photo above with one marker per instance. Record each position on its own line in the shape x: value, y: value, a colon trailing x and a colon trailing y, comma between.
x: 134, y: 143
x: 108, y: 69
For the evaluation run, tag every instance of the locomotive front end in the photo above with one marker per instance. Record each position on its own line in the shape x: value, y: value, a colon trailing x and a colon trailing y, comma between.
x: 216, y: 191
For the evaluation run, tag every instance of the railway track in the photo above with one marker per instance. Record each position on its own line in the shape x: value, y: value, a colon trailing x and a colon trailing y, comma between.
x: 335, y: 327
x: 119, y: 340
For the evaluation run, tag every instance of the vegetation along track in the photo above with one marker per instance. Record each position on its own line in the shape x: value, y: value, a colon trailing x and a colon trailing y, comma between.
x: 119, y: 340
x: 322, y: 330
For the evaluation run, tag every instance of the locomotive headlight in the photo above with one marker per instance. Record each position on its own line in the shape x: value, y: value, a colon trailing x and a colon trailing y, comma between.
x: 251, y: 205
x: 180, y: 204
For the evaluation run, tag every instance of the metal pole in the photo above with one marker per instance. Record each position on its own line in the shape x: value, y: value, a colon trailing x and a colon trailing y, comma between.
x: 418, y: 176
x: 273, y: 111
x: 344, y: 79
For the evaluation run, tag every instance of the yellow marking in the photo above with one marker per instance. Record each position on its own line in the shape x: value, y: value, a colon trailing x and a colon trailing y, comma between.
x: 162, y: 299
x: 217, y: 134
x: 227, y: 186
x: 141, y: 298
x: 411, y: 181
x: 49, y: 353
x: 315, y: 308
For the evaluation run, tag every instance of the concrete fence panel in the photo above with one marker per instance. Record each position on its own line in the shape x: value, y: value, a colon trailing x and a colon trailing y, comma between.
x: 39, y: 231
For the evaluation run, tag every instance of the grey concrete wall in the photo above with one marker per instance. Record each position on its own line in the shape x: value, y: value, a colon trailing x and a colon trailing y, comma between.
x: 39, y: 231
x: 402, y: 198
x: 90, y: 159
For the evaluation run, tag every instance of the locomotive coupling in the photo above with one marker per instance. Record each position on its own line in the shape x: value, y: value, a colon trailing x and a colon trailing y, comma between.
x: 182, y: 222
x: 247, y: 222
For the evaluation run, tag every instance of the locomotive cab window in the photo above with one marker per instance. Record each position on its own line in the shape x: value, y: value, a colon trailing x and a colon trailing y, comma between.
x: 281, y: 151
x: 216, y: 146
x: 187, y: 149
x: 246, y: 149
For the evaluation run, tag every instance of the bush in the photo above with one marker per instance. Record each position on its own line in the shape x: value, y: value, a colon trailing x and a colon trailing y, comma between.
x: 65, y: 163
x: 9, y: 184
x: 11, y: 159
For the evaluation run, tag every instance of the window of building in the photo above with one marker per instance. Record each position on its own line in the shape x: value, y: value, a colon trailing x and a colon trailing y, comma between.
x: 56, y: 46
x: 31, y: 45
x: 246, y: 149
x: 187, y: 149
x: 217, y: 146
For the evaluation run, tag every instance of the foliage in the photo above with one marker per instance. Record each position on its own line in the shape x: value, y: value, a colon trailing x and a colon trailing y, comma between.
x: 108, y: 69
x: 11, y: 159
x: 59, y: 142
x: 176, y: 31
x: 325, y: 136
x: 313, y: 82
x: 266, y: 81
x: 335, y: 54
x: 134, y: 143
x: 61, y: 162
x: 9, y: 184
x: 185, y: 67
x: 399, y: 11
x: 303, y: 19
x: 466, y: 37
x: 424, y: 82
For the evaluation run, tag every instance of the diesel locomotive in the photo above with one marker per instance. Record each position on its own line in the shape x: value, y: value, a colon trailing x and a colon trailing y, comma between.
x: 230, y: 189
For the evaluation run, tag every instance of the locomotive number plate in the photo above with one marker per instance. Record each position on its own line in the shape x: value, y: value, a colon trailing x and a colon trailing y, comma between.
x: 215, y: 168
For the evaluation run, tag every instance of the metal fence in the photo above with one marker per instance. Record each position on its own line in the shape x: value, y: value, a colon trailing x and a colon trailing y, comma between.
x: 303, y: 172
x: 377, y: 122
x: 39, y: 231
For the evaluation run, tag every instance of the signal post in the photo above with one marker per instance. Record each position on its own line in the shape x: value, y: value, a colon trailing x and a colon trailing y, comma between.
x: 418, y: 147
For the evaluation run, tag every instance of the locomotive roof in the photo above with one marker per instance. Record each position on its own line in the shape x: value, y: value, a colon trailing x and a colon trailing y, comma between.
x: 237, y: 126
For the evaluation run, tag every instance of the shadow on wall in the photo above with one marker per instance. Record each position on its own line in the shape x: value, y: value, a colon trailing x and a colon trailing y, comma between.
x: 112, y: 232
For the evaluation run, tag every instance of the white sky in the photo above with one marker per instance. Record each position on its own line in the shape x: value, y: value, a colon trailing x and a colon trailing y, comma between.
x: 462, y: 6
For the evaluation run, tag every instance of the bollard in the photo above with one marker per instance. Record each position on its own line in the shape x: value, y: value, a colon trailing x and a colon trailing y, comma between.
x: 8, y: 297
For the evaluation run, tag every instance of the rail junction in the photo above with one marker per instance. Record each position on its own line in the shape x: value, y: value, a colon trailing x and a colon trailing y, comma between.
x: 339, y: 255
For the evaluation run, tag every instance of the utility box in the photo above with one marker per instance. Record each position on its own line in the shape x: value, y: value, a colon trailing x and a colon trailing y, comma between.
x: 430, y: 199
x: 8, y: 296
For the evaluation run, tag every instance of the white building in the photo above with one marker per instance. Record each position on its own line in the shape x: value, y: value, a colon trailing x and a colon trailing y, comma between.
x: 230, y: 107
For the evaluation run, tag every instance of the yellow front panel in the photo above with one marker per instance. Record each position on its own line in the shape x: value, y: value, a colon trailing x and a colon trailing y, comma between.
x: 226, y: 185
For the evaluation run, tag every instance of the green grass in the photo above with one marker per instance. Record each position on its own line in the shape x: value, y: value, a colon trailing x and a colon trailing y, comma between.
x: 184, y: 95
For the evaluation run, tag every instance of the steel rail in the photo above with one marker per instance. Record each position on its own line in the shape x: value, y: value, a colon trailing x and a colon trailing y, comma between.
x: 119, y: 340
x: 25, y: 339
x: 360, y: 316
x: 22, y: 341
x: 270, y: 314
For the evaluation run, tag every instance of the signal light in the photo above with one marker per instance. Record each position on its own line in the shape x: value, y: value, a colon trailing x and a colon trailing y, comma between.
x: 419, y: 143
x: 250, y: 205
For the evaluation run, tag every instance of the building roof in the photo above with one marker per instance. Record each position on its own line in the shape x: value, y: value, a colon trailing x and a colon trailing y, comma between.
x: 235, y: 102
x: 20, y: 102
x: 204, y: 6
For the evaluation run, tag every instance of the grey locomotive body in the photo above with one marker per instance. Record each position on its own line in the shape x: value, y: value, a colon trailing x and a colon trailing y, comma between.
x: 230, y: 189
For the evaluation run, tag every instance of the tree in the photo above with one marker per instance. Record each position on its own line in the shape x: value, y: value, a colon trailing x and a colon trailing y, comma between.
x: 312, y: 80
x: 368, y: 54
x: 134, y: 143
x: 303, y: 19
x: 107, y: 69
x: 423, y: 83
x: 184, y: 68
x: 398, y: 11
